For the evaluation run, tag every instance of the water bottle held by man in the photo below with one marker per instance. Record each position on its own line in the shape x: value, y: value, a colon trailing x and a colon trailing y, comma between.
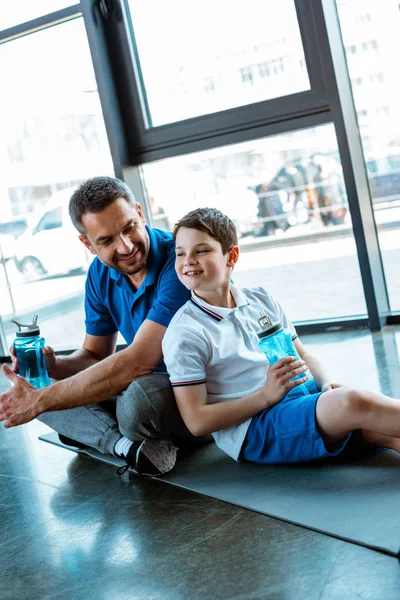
x: 28, y: 346
x: 276, y: 342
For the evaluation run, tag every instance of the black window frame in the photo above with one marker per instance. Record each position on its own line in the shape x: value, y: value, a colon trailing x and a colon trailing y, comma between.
x: 133, y: 142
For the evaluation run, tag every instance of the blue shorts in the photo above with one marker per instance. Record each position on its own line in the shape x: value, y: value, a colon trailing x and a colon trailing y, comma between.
x: 287, y: 433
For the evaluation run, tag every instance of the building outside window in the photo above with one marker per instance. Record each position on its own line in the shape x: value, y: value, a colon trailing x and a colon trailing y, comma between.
x: 351, y: 49
x: 376, y: 78
x: 209, y: 85
x: 247, y: 75
x: 263, y: 69
x: 370, y: 45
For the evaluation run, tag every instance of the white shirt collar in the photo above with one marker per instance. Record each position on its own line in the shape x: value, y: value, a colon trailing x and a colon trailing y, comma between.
x: 219, y: 312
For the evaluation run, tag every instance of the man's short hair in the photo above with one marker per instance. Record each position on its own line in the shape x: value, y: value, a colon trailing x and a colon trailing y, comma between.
x: 95, y: 195
x: 213, y: 222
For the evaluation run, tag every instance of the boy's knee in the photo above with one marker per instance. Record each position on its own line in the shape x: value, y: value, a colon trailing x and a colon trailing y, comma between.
x: 355, y: 401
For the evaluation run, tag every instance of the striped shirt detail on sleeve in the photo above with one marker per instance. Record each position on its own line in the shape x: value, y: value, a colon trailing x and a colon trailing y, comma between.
x: 183, y: 383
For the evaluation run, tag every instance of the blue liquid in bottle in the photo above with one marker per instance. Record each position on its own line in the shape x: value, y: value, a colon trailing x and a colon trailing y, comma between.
x: 276, y: 343
x: 28, y: 346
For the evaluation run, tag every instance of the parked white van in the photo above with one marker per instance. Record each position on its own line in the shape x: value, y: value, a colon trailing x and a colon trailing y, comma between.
x: 51, y: 246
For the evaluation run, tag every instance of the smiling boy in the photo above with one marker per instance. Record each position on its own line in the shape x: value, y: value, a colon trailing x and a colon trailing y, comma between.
x: 222, y: 381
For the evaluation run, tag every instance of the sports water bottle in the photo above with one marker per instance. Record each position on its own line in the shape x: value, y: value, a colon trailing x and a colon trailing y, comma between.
x: 28, y: 347
x: 276, y: 342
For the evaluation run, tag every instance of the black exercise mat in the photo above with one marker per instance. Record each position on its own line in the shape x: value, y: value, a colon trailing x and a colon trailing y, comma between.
x: 357, y: 501
x: 52, y: 438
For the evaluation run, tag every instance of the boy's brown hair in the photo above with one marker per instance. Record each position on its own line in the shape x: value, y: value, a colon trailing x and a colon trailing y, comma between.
x: 213, y: 222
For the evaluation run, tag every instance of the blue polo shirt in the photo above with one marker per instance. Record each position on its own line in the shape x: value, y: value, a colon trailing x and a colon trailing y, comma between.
x: 112, y: 305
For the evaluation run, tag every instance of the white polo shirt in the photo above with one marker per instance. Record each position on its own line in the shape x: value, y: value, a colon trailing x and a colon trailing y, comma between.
x: 219, y: 347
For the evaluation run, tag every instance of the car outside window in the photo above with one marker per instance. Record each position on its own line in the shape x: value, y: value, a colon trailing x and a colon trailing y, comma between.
x: 50, y: 220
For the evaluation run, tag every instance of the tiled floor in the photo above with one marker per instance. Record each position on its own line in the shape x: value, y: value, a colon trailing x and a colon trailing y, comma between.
x: 72, y: 529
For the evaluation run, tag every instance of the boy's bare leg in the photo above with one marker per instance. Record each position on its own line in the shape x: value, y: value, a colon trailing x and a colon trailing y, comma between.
x: 383, y: 441
x: 343, y: 410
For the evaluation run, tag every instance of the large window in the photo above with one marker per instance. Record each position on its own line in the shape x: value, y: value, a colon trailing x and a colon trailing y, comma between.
x: 53, y: 138
x: 287, y: 197
x: 202, y: 57
x: 206, y: 100
x: 371, y: 35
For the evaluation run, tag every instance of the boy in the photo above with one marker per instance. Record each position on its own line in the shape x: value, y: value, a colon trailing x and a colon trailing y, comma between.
x: 222, y: 381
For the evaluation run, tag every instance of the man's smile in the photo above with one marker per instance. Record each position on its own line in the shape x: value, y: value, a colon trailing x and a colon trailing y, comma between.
x: 129, y: 258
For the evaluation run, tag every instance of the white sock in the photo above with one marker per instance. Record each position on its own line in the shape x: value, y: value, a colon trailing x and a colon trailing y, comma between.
x: 122, y: 447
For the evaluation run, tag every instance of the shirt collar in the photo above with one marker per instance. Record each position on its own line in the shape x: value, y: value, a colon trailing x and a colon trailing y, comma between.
x: 219, y: 312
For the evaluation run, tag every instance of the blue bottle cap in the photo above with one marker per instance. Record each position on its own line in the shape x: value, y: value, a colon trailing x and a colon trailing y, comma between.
x: 31, y: 330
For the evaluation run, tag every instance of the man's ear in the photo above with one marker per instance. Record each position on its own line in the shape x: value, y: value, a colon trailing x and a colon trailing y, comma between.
x: 87, y: 244
x: 233, y: 256
x: 139, y: 211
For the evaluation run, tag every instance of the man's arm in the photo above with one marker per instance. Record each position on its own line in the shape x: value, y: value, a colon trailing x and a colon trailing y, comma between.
x: 95, y: 348
x: 110, y: 376
x: 202, y: 418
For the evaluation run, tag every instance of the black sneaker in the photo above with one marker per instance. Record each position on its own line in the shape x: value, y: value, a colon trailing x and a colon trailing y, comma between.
x: 149, y: 458
x: 70, y: 442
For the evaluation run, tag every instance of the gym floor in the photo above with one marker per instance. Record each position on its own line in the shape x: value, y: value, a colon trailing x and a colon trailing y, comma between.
x: 72, y: 528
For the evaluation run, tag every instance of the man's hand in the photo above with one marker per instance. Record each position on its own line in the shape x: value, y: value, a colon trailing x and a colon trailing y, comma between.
x: 278, y: 382
x: 17, y: 405
x: 14, y: 359
x: 52, y: 362
x: 329, y: 386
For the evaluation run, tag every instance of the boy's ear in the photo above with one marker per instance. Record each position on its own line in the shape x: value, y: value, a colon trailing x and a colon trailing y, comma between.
x: 233, y: 256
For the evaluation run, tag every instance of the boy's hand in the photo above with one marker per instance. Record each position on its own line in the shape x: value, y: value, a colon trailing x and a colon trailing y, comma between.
x: 329, y: 386
x: 278, y: 382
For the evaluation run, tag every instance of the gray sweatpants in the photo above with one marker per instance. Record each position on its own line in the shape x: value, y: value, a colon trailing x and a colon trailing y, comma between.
x: 145, y: 410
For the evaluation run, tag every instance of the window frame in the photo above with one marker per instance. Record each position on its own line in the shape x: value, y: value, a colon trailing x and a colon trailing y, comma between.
x: 114, y: 47
x: 132, y: 143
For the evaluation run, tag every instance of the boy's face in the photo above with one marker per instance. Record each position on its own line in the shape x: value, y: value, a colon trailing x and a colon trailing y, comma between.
x: 200, y: 263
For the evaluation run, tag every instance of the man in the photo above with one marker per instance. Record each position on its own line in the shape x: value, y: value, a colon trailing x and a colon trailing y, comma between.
x: 131, y: 287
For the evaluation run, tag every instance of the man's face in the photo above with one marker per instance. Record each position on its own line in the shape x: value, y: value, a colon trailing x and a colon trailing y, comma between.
x: 117, y: 235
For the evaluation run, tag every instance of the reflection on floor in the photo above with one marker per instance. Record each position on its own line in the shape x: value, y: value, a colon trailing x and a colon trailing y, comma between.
x: 71, y: 528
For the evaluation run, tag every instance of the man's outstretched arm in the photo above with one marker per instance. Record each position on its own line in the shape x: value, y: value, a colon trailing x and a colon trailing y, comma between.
x: 110, y: 376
